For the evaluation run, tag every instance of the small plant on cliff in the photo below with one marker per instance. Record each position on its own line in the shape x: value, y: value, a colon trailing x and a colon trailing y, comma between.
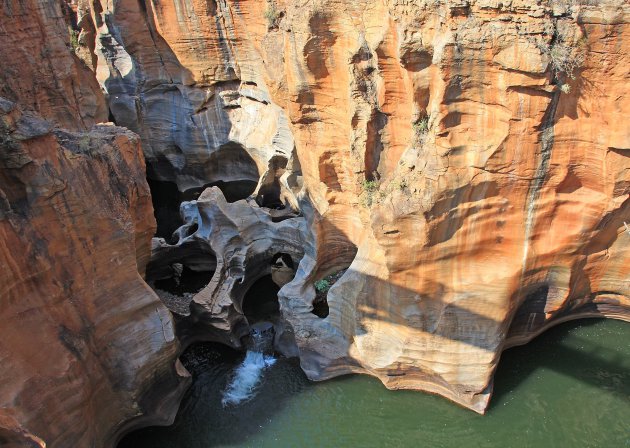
x: 420, y: 130
x: 322, y: 285
x: 370, y: 187
x: 566, y: 52
x: 272, y: 15
x: 566, y: 59
x: 565, y: 88
x: 74, y: 40
x: 398, y: 184
x: 421, y: 126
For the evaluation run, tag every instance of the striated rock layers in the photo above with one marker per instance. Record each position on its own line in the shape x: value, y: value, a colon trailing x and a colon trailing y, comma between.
x: 200, y: 123
x: 87, y: 348
x: 466, y: 160
x: 40, y: 71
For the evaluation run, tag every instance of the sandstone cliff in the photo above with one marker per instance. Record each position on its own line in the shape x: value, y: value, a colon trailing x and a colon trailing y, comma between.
x: 41, y: 69
x: 467, y: 161
x: 87, y: 348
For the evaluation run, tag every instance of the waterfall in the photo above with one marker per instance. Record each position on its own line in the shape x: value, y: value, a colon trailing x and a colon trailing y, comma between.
x: 247, y: 375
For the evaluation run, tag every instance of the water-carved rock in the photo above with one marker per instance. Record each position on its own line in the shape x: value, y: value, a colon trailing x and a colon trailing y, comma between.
x: 86, y: 344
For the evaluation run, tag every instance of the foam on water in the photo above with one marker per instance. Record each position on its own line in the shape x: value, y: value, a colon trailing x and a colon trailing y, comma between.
x: 242, y: 387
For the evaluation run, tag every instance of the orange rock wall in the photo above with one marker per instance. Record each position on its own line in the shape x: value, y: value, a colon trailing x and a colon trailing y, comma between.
x: 481, y: 182
x: 40, y: 69
x: 476, y: 193
x: 87, y: 348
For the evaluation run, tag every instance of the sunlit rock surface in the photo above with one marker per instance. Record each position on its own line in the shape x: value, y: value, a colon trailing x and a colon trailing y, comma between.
x: 466, y: 160
x: 87, y: 348
x: 202, y: 119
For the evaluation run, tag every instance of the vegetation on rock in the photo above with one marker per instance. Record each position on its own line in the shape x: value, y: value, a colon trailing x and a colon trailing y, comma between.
x: 369, y: 187
x: 272, y: 15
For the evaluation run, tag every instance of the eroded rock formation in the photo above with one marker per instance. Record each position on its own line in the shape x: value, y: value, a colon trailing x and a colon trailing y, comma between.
x: 467, y: 162
x: 200, y: 123
x: 465, y: 159
x: 40, y: 69
x: 87, y: 348
x: 241, y: 240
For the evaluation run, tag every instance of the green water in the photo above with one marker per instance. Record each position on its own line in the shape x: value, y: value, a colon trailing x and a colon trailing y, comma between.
x: 569, y: 387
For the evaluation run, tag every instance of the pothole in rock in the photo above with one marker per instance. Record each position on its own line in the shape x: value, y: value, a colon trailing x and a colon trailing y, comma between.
x: 167, y: 199
x: 178, y: 290
x: 232, y: 190
x: 270, y: 190
x: 260, y: 303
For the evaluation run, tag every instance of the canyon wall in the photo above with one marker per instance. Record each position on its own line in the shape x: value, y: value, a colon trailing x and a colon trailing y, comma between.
x: 41, y: 69
x: 87, y: 348
x: 467, y: 161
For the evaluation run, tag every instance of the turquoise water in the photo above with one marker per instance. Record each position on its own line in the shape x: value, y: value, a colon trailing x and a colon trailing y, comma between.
x: 570, y: 387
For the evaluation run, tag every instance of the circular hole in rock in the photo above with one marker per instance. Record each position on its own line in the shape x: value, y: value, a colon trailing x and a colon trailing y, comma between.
x: 261, y: 301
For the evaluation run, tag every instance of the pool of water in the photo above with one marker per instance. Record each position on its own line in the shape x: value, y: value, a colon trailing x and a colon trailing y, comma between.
x: 570, y: 387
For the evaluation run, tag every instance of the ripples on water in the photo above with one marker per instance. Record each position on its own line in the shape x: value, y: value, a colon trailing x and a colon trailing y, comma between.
x: 568, y: 388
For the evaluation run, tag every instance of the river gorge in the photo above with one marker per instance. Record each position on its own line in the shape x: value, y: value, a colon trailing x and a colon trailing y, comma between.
x: 314, y: 223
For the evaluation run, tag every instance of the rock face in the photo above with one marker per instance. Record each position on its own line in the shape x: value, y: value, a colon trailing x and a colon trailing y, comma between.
x: 467, y: 161
x: 87, y: 348
x: 40, y: 70
x: 240, y: 241
x: 200, y: 123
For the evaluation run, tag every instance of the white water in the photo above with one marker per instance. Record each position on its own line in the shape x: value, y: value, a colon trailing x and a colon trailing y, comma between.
x: 246, y: 378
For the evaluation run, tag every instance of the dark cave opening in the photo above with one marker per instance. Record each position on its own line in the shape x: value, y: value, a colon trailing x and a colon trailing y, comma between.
x: 166, y: 199
x: 177, y: 273
x: 261, y: 301
x: 269, y: 196
x: 232, y: 190
x: 178, y: 290
x: 184, y: 281
x: 270, y: 190
x: 282, y: 258
x: 320, y: 307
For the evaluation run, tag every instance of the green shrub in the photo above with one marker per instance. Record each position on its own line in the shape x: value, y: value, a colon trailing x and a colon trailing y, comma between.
x: 74, y: 40
x: 322, y: 285
x: 272, y: 15
x: 421, y: 126
x: 370, y: 187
